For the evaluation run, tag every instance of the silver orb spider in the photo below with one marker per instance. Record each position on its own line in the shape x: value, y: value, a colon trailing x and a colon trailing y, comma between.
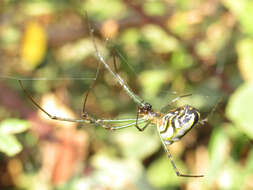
x: 171, y: 126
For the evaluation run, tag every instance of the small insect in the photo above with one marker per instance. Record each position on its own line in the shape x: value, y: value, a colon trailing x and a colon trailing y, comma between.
x: 171, y: 126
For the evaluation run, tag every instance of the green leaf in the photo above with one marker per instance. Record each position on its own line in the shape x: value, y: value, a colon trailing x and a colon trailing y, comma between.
x: 239, y: 108
x: 245, y: 63
x: 161, y: 174
x: 217, y: 148
x: 152, y: 81
x: 160, y: 41
x: 249, y: 163
x: 154, y: 7
x: 140, y: 146
x: 9, y: 145
x: 104, y: 9
x: 13, y: 126
x: 181, y: 60
x: 243, y: 11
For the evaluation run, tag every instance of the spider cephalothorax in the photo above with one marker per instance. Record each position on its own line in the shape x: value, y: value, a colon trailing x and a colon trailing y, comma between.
x: 147, y: 107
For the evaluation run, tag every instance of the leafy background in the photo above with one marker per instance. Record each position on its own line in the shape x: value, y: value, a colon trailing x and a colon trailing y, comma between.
x: 164, y: 48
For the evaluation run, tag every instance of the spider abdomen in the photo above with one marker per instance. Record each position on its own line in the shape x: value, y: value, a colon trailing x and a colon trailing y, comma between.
x: 175, y: 124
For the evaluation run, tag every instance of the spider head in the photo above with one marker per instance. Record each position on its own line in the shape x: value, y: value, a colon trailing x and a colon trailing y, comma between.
x: 145, y: 108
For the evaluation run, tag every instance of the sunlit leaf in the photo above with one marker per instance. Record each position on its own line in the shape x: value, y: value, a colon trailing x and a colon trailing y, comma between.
x: 230, y: 176
x: 245, y: 53
x: 9, y: 35
x: 55, y: 107
x: 9, y: 145
x: 34, y: 45
x: 115, y: 172
x: 249, y: 163
x: 155, y: 7
x: 218, y: 148
x: 104, y: 9
x: 32, y: 181
x: 13, y: 126
x: 130, y: 37
x: 181, y: 60
x: 37, y: 8
x: 161, y: 42
x: 76, y: 51
x: 161, y: 174
x: 239, y: 108
x: 137, y: 145
x: 152, y: 81
x: 179, y: 24
x: 243, y: 10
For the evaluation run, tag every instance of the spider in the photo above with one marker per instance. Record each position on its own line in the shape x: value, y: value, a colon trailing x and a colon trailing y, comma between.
x: 171, y: 126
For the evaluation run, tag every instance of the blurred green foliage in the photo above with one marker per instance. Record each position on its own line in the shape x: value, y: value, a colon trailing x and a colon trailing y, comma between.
x: 8, y: 142
x: 239, y: 108
x: 163, y: 49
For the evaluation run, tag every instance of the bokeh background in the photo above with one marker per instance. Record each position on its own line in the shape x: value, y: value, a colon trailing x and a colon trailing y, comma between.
x: 163, y: 48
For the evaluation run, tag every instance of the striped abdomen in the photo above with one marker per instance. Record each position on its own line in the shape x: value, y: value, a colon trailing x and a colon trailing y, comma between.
x: 175, y: 124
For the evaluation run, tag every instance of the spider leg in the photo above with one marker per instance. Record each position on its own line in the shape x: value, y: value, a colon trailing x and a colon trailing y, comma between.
x: 89, y: 89
x: 178, y: 98
x: 136, y: 122
x: 87, y: 119
x: 173, y: 163
x: 90, y: 120
x: 116, y: 76
x: 117, y: 120
x: 205, y: 120
x: 147, y: 124
x: 84, y: 113
x: 175, y: 100
x: 115, y: 63
x: 127, y: 125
